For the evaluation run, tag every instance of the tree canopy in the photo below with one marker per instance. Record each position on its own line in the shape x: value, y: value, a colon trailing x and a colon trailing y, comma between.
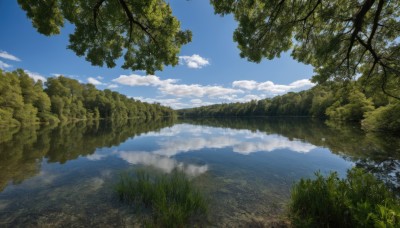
x: 340, y: 39
x: 145, y: 33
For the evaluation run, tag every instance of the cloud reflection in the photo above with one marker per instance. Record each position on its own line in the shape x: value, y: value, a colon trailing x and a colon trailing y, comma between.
x: 164, y: 163
x: 243, y: 142
x: 184, y: 138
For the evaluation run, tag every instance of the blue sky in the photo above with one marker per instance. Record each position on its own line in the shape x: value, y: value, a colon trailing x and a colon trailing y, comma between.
x: 211, y: 70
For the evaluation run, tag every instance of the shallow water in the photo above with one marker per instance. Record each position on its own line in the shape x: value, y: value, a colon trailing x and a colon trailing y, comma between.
x: 64, y: 176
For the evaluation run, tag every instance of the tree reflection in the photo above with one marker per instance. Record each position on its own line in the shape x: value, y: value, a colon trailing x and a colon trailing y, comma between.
x: 23, y: 150
x: 378, y: 153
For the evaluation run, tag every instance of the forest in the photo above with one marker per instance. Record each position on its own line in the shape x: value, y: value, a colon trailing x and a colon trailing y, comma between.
x: 339, y: 102
x: 26, y: 102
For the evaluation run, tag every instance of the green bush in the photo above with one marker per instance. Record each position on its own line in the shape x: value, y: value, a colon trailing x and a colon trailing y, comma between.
x: 172, y: 198
x: 360, y: 200
x: 386, y: 118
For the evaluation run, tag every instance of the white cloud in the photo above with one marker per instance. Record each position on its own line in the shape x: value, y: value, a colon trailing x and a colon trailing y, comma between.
x: 171, y: 102
x: 245, y: 84
x: 137, y: 80
x: 273, y: 88
x: 247, y: 89
x: 195, y: 61
x: 4, y: 65
x: 35, y: 76
x: 65, y: 75
x: 249, y: 97
x: 199, y: 102
x: 5, y: 55
x: 94, y: 81
x: 169, y: 86
x: 100, y: 77
x: 196, y: 101
x: 112, y: 86
x: 195, y: 90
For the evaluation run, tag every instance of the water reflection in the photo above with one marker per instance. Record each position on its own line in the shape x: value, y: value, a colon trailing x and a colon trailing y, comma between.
x: 378, y: 153
x: 246, y: 165
x: 241, y: 141
x: 183, y: 138
x: 164, y: 163
x: 23, y: 150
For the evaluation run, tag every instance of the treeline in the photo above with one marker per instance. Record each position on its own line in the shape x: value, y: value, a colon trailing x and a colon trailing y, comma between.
x: 339, y: 102
x: 26, y: 102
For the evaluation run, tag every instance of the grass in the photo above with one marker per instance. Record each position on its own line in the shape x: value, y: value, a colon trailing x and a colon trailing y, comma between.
x: 171, y: 198
x: 360, y: 200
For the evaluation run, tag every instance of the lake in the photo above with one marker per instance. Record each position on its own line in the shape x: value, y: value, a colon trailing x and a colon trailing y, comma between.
x: 65, y: 175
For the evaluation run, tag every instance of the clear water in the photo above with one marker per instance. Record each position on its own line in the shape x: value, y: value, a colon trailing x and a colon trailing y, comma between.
x: 64, y: 176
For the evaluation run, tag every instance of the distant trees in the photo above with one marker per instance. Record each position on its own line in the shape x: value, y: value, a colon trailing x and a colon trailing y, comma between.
x: 25, y: 102
x: 336, y: 101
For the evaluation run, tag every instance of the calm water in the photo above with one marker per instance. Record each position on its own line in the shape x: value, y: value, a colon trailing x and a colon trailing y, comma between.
x: 64, y: 176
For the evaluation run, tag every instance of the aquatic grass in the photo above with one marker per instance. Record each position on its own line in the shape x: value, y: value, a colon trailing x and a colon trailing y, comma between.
x: 360, y: 200
x: 172, y: 198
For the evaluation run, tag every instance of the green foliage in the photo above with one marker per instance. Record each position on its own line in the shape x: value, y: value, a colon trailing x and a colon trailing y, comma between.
x: 24, y: 102
x: 340, y: 39
x: 360, y: 200
x: 385, y: 118
x: 144, y: 32
x: 350, y: 106
x: 172, y: 198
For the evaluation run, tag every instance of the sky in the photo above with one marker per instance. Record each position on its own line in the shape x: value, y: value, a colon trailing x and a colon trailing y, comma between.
x: 210, y: 70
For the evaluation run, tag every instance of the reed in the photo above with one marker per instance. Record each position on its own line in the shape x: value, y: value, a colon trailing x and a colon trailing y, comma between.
x: 172, y: 198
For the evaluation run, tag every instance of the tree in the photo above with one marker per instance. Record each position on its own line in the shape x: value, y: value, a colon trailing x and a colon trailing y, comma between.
x: 340, y: 39
x: 385, y: 119
x: 352, y: 108
x: 145, y: 32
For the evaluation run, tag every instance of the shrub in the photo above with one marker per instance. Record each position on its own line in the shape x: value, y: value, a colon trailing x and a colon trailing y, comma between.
x: 172, y: 198
x: 360, y: 200
x: 386, y: 118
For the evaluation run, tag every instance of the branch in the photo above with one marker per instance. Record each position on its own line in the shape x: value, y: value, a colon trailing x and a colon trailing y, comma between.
x: 133, y: 21
x: 359, y: 61
x: 369, y: 48
x: 96, y: 12
x: 358, y: 22
x: 384, y: 66
x: 376, y: 20
x: 309, y: 13
x: 370, y: 73
x: 271, y: 19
